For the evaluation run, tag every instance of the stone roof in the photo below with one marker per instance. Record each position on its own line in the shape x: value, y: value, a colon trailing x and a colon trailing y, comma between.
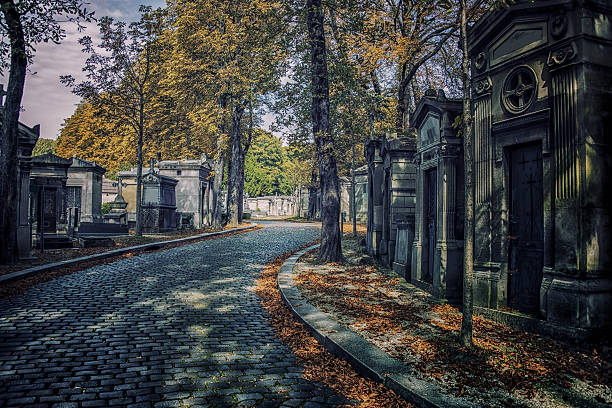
x: 50, y: 159
x: 77, y: 162
x: 184, y: 164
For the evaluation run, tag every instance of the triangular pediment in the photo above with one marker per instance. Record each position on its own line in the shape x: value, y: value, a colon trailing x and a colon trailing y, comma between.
x: 50, y: 158
x: 516, y: 40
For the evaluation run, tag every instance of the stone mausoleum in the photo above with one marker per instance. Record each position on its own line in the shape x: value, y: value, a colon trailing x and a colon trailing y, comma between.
x: 84, y: 189
x: 437, y: 251
x: 391, y: 197
x: 48, y: 177
x: 542, y: 86
x: 158, y: 202
x: 193, y: 189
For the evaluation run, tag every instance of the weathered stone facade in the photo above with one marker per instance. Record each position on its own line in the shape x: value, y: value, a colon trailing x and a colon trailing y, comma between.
x: 437, y: 251
x: 391, y: 196
x: 375, y: 194
x: 158, y: 202
x: 272, y: 206
x: 542, y: 87
x: 26, y: 142
x: 48, y: 177
x: 193, y: 190
x: 361, y: 194
x: 84, y: 189
x: 192, y: 193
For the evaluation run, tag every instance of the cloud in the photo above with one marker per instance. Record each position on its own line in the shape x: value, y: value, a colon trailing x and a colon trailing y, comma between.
x: 46, y: 101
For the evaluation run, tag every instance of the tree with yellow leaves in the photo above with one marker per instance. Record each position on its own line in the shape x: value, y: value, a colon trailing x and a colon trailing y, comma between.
x: 227, y: 55
x: 122, y: 78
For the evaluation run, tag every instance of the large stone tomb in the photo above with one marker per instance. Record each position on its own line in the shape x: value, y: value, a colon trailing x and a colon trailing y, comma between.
x: 542, y: 86
x: 437, y: 253
x: 48, y: 210
x: 84, y: 189
x: 391, y: 197
x: 158, y: 203
x: 193, y: 188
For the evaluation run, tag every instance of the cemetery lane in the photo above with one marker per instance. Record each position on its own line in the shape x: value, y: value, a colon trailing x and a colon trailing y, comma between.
x: 170, y: 328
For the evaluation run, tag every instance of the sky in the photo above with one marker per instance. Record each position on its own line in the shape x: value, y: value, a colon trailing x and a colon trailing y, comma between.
x: 46, y: 101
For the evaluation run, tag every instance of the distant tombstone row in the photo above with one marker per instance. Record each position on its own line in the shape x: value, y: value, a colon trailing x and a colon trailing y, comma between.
x: 361, y: 200
x: 541, y: 91
x: 271, y: 206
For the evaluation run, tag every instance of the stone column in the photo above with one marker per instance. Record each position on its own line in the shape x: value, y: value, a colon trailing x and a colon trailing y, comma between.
x: 449, y: 248
x: 24, y: 227
x: 577, y: 285
x: 417, y: 247
x: 375, y: 195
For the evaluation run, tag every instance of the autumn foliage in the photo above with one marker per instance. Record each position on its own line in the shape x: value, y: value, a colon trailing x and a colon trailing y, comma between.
x: 319, y: 364
x: 418, y: 329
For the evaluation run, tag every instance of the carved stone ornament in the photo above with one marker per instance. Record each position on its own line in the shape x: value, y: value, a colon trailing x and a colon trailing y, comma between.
x: 483, y: 86
x: 558, y: 26
x: 519, y: 89
x: 480, y: 61
x: 561, y: 56
x: 430, y: 155
x: 149, y: 178
x: 449, y: 150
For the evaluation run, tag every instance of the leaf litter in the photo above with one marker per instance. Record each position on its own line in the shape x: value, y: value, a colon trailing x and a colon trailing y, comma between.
x: 506, y: 367
x: 319, y: 365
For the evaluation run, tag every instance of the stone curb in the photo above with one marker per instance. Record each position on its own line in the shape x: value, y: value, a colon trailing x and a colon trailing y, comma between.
x: 367, y: 359
x: 103, y: 255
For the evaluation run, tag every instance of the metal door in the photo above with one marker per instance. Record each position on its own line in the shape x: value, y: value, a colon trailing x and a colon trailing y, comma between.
x: 431, y: 207
x: 49, y: 210
x: 526, y: 228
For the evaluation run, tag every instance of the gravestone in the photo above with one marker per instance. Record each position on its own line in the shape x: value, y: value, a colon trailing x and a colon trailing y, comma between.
x: 542, y: 87
x: 116, y: 221
x: 391, y: 193
x: 399, y: 193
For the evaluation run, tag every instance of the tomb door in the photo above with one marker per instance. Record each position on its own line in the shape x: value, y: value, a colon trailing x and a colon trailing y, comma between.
x: 526, y: 242
x: 48, y: 209
x: 73, y: 197
x: 430, y: 211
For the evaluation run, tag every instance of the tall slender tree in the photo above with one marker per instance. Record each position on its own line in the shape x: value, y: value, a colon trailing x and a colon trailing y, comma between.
x: 229, y: 52
x: 468, y: 248
x: 123, y: 77
x: 22, y: 25
x: 330, y: 250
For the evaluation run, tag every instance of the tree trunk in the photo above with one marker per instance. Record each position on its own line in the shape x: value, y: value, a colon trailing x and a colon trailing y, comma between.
x: 9, y: 189
x: 241, y: 191
x: 312, y: 196
x: 233, y: 193
x: 353, y: 201
x: 401, y: 107
x: 468, y: 249
x: 139, y: 168
x: 218, y: 168
x: 330, y: 250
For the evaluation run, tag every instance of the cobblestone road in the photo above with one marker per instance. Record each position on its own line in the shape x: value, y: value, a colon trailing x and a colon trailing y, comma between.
x: 172, y: 328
